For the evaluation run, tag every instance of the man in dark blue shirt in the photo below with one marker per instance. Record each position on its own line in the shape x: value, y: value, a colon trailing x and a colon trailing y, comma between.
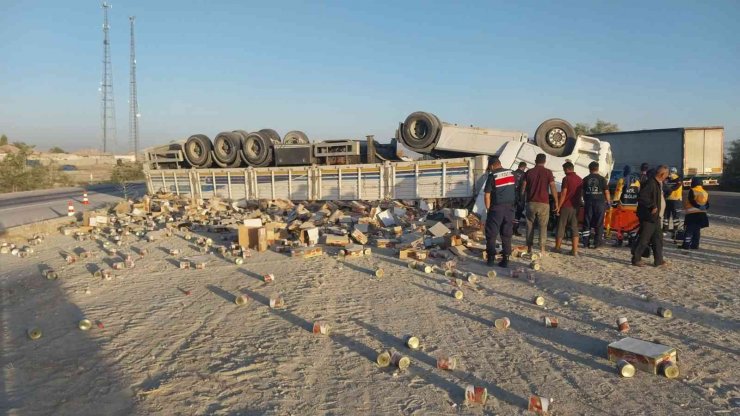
x: 500, y: 196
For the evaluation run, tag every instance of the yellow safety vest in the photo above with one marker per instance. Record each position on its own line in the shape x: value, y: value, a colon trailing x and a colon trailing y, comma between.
x: 677, y: 194
x: 700, y: 196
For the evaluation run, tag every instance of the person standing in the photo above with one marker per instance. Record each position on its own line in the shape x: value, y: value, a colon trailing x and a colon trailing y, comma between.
x: 650, y: 208
x: 673, y: 192
x: 537, y: 181
x: 695, y: 214
x: 644, y: 172
x: 520, y: 200
x: 595, y: 197
x: 500, y: 196
x: 571, y: 193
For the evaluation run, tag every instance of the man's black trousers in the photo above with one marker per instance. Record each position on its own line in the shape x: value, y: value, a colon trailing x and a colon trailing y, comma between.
x: 500, y: 220
x: 651, y: 234
x: 593, y: 218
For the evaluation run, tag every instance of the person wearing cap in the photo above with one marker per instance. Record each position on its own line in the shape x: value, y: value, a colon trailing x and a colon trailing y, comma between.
x: 499, y: 197
x: 644, y: 172
x: 623, y: 217
x: 520, y: 200
x: 673, y: 193
x: 537, y: 182
x: 695, y: 213
x: 595, y: 197
x: 650, y: 208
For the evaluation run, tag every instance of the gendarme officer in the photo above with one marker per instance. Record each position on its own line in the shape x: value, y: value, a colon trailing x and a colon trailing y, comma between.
x: 500, y: 196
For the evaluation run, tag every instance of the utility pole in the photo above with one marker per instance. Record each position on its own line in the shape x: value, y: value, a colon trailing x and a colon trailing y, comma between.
x: 133, y: 111
x: 108, y: 109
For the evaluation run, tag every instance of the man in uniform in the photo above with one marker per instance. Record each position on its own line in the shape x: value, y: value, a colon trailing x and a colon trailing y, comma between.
x: 595, y: 196
x: 520, y: 200
x: 673, y: 193
x: 500, y: 196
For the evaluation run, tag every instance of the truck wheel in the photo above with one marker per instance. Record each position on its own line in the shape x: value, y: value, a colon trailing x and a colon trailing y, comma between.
x: 271, y: 134
x: 420, y: 130
x: 226, y: 148
x: 198, y: 150
x: 295, y: 137
x: 256, y: 148
x: 556, y: 137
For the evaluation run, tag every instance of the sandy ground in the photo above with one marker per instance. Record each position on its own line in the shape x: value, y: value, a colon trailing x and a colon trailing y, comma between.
x: 161, y: 351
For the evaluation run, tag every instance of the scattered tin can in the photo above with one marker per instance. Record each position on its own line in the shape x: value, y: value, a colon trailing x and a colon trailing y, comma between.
x: 623, y: 325
x: 239, y: 260
x: 321, y: 327
x: 476, y: 395
x: 472, y: 278
x: 457, y: 294
x: 15, y: 251
x: 241, y: 300
x: 84, y: 325
x: 200, y: 265
x: 379, y: 272
x: 119, y: 265
x: 551, y: 321
x: 34, y: 333
x: 447, y: 363
x: 538, y: 300
x: 174, y: 252
x: 50, y: 274
x: 383, y: 359
x: 130, y: 264
x: 491, y: 274
x: 23, y: 254
x: 368, y: 251
x: 277, y: 302
x: 535, y: 265
x: 184, y: 264
x: 412, y: 342
x: 143, y: 252
x: 502, y: 323
x: 268, y: 278
x: 456, y: 282
x: 399, y: 360
x: 665, y: 312
x: 625, y: 369
x: 70, y: 258
x: 539, y: 405
x: 107, y: 275
x: 187, y: 237
x: 669, y: 369
x: 449, y: 273
x: 98, y: 273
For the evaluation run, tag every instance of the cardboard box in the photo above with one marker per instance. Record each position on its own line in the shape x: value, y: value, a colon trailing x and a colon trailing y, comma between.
x: 645, y: 356
x: 254, y: 238
x: 336, y: 240
x: 306, y: 252
x: 309, y: 236
x: 359, y: 236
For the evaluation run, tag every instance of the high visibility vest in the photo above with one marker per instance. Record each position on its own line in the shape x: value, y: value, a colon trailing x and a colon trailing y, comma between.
x: 701, y: 197
x: 678, y: 193
x: 628, y: 189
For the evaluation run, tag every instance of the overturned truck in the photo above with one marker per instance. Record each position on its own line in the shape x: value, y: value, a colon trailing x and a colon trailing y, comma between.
x: 260, y: 165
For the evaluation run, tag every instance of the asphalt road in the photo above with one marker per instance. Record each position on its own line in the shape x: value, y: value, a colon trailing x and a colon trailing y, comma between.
x: 20, y: 208
x: 724, y: 203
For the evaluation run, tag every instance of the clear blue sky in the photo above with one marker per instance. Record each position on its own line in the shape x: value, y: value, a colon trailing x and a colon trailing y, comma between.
x: 347, y: 69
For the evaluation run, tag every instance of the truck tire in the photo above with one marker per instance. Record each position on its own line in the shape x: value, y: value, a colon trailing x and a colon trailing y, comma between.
x: 226, y: 147
x: 271, y: 134
x: 256, y: 149
x: 420, y: 130
x: 198, y: 150
x: 556, y: 137
x: 295, y: 137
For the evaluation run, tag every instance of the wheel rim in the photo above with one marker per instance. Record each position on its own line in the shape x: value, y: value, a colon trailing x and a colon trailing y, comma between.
x: 419, y: 129
x: 253, y: 148
x: 225, y: 147
x: 556, y: 137
x: 196, y: 149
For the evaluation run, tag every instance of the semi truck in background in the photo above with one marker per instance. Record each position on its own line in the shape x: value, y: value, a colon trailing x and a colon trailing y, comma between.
x: 694, y: 151
x: 258, y: 165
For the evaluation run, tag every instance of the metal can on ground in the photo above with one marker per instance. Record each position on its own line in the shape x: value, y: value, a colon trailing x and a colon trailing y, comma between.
x: 449, y: 273
x: 448, y: 363
x: 665, y: 312
x: 491, y: 273
x: 379, y: 272
x: 472, y: 278
x: 119, y: 265
x: 277, y: 302
x: 539, y: 405
x: 625, y: 369
x: 502, y: 323
x: 106, y: 274
x: 476, y: 395
x: 535, y: 265
x: 241, y: 300
x: 551, y: 321
x: 400, y: 360
x: 669, y: 369
x: 174, y: 251
x: 84, y: 324
x: 538, y: 300
x: 368, y: 251
x: 50, y: 274
x: 457, y: 294
x: 412, y: 342
x: 623, y: 325
x: 34, y: 333
x: 321, y: 327
x: 384, y: 359
x: 268, y: 278
x: 238, y: 261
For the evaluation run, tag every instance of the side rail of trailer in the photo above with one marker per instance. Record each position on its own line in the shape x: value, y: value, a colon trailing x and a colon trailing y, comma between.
x: 423, y: 179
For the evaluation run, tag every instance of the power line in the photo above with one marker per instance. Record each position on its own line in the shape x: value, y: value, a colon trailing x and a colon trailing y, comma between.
x: 108, y: 109
x: 133, y: 115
